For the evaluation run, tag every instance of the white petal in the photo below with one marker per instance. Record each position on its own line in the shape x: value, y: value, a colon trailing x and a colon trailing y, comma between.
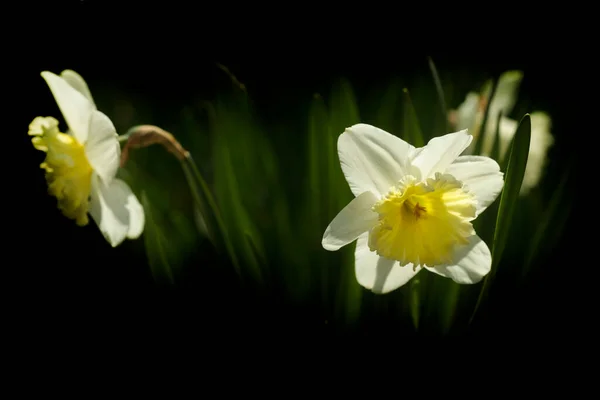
x: 102, y: 147
x: 508, y: 128
x: 372, y: 159
x: 541, y: 141
x: 76, y: 109
x: 379, y: 274
x: 473, y: 262
x: 137, y: 217
x: 540, y: 120
x: 440, y: 152
x: 482, y: 176
x: 116, y: 210
x: 506, y: 94
x: 77, y: 83
x: 467, y: 111
x: 503, y: 101
x: 357, y: 217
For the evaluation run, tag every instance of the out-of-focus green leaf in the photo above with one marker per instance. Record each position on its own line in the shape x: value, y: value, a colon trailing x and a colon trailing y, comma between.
x: 388, y: 110
x: 343, y: 113
x: 169, y: 233
x: 155, y: 243
x: 320, y: 201
x: 440, y: 92
x: 200, y: 221
x: 195, y: 120
x: 240, y: 155
x: 513, y: 178
x: 350, y: 293
x: 449, y: 305
x: 515, y: 171
x: 429, y: 300
x: 415, y: 301
x: 343, y: 107
x: 227, y: 123
x: 210, y: 214
x: 412, y: 129
x: 482, y: 130
x: 495, y: 153
x: 550, y: 218
x: 236, y: 219
x: 205, y: 212
x: 319, y: 147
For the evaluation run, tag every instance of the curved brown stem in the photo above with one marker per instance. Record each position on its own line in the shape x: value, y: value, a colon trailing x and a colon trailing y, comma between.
x: 146, y: 135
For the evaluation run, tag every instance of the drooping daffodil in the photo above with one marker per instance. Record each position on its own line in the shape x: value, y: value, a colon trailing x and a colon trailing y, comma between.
x: 470, y: 113
x: 413, y: 207
x: 81, y: 165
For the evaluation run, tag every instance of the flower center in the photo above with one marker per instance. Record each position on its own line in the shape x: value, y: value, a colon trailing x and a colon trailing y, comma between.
x: 423, y: 222
x: 68, y: 171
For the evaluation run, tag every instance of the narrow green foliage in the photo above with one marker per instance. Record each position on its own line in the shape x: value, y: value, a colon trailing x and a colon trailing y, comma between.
x: 515, y: 172
x: 448, y: 308
x: 495, y: 154
x: 211, y: 215
x: 319, y: 158
x: 236, y: 219
x: 412, y: 129
x: 388, y: 109
x: 482, y: 129
x: 343, y: 113
x: 513, y: 178
x: 155, y: 243
x: 415, y: 302
x: 440, y: 92
x: 550, y: 218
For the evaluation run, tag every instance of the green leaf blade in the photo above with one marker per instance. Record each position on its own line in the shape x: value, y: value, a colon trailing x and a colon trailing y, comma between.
x: 513, y: 178
x: 412, y: 129
x: 154, y: 243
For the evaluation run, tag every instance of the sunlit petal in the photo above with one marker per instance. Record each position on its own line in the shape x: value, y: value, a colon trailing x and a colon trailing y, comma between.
x: 372, y: 159
x: 357, y: 217
x: 379, y: 274
x: 440, y: 152
x: 481, y: 175
x: 472, y: 263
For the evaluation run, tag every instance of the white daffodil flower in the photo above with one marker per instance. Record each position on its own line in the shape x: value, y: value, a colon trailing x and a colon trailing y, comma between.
x: 469, y: 115
x: 81, y: 165
x: 413, y: 207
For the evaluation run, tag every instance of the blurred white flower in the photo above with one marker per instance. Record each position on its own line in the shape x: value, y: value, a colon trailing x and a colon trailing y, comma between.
x: 469, y: 115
